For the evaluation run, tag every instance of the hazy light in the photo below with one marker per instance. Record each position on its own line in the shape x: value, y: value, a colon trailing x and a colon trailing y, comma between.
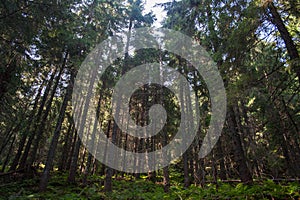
x: 157, y: 10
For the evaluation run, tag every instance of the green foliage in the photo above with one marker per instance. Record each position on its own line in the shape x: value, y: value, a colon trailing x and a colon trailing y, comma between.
x: 38, y: 37
x: 143, y: 189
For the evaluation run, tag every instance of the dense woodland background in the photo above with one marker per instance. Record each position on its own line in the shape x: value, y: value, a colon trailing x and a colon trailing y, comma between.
x: 255, y: 45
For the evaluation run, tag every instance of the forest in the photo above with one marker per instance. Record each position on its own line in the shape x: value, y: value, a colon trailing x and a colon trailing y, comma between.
x: 50, y: 146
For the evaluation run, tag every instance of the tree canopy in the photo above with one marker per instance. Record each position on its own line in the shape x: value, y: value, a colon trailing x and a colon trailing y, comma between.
x: 255, y: 46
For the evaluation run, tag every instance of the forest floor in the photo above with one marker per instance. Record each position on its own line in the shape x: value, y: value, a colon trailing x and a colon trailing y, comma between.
x: 141, y: 188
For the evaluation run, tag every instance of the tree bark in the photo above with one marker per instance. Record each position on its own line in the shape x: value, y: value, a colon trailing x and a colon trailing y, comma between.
x: 37, y: 120
x: 54, y: 141
x: 24, y: 136
x: 220, y: 158
x: 109, y: 171
x: 8, y: 154
x: 239, y: 154
x: 276, y: 19
x: 42, y: 125
x: 66, y: 148
x: 73, y: 167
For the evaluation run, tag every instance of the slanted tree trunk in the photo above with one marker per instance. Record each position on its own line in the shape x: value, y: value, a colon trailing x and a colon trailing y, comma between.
x: 276, y: 19
x: 15, y: 162
x: 40, y: 131
x: 9, y: 72
x: 54, y: 141
x: 8, y: 154
x: 7, y: 137
x: 73, y: 166
x: 75, y: 138
x: 37, y: 120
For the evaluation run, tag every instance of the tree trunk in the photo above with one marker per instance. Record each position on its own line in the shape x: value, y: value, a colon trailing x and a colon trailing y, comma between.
x: 54, y: 141
x: 183, y: 107
x: 75, y: 138
x: 39, y: 134
x: 220, y: 158
x: 239, y: 154
x: 73, y: 167
x: 109, y: 171
x: 71, y: 153
x: 7, y: 137
x: 37, y: 120
x: 8, y: 154
x: 7, y: 75
x: 15, y: 162
x: 276, y: 19
x: 66, y: 148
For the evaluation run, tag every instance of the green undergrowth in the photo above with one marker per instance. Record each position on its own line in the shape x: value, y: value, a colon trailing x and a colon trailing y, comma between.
x: 142, y: 189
